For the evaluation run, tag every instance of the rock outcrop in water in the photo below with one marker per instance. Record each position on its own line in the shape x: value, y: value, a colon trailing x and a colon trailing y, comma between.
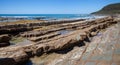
x: 19, y: 54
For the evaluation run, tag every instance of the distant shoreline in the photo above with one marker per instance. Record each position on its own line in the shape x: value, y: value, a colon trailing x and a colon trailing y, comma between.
x: 46, y: 17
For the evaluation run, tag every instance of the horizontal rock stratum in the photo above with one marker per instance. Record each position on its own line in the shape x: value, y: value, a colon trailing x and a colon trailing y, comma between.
x: 13, y: 28
x: 19, y: 54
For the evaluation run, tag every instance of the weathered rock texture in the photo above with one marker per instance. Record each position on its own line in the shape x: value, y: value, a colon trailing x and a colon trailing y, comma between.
x: 4, y: 40
x: 19, y: 54
x: 16, y: 28
x: 103, y: 49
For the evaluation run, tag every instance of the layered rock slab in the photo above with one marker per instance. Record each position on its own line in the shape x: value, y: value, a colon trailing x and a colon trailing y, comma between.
x: 21, y: 53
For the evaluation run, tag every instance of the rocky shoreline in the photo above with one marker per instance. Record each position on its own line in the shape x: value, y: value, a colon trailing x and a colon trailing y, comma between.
x: 82, y: 32
x: 14, y: 28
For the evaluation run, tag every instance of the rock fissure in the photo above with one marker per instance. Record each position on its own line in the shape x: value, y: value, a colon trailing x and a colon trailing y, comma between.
x: 63, y: 42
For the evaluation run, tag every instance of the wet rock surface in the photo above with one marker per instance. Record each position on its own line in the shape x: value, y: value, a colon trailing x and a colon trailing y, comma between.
x: 60, y: 44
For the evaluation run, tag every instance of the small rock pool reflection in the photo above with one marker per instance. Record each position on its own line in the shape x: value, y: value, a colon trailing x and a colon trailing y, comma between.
x: 63, y: 32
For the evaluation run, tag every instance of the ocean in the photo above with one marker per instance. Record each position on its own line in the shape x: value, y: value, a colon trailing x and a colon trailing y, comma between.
x: 12, y: 17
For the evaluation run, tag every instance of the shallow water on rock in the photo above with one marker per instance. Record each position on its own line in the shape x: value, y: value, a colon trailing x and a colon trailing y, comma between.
x: 64, y: 32
x: 19, y: 41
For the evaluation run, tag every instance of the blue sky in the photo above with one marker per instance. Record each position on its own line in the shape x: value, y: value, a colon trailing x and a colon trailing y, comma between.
x: 52, y: 6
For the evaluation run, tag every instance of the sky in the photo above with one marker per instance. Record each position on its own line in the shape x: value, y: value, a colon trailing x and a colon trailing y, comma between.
x: 52, y: 6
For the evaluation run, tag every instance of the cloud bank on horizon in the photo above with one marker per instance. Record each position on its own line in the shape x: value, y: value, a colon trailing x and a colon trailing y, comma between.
x: 52, y: 6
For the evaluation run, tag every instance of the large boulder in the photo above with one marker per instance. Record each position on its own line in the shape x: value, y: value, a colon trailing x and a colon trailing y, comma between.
x: 16, y: 56
x: 4, y: 40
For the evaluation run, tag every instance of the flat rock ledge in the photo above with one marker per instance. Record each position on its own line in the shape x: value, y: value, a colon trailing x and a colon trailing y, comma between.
x: 19, y: 54
x: 13, y: 28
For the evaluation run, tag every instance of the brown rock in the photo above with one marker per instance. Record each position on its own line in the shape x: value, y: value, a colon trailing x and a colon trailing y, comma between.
x: 4, y: 44
x: 62, y: 43
x: 93, y: 33
x: 15, y: 56
x: 7, y: 61
x: 4, y: 40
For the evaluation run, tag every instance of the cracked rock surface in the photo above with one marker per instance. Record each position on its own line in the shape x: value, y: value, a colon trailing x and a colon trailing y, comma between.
x: 104, y: 49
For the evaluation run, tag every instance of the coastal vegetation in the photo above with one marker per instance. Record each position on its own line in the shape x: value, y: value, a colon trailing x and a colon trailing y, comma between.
x: 15, y: 40
x: 109, y: 9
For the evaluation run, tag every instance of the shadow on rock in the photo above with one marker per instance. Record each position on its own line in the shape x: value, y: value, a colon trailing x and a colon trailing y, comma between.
x: 7, y: 61
x: 66, y: 50
x: 29, y: 62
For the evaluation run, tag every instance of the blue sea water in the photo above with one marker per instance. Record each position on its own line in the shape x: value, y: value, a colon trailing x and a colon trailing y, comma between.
x: 49, y: 16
